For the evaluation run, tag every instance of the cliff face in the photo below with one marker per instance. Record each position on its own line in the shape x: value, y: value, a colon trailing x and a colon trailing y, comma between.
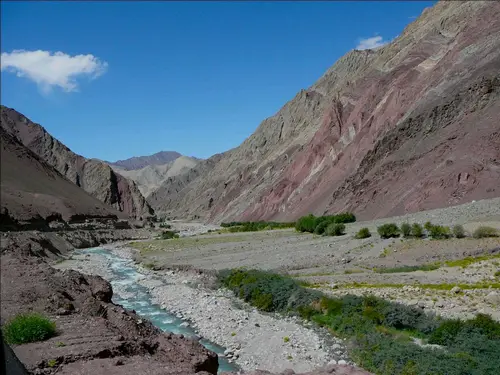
x: 407, y: 127
x: 95, y: 177
x: 34, y: 194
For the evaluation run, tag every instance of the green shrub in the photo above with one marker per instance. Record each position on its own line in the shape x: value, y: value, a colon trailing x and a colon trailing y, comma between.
x: 168, y: 234
x: 306, y: 224
x: 439, y: 232
x: 388, y: 230
x: 458, y: 231
x: 417, y: 230
x: 485, y: 231
x: 335, y: 229
x: 406, y: 230
x: 428, y: 226
x: 321, y: 227
x: 25, y: 328
x: 380, y: 331
x: 363, y: 233
x: 344, y: 218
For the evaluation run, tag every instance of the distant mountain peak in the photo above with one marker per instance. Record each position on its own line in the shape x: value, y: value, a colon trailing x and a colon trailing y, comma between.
x: 139, y: 162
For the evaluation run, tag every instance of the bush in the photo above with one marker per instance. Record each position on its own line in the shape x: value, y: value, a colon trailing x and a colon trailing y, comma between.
x: 25, y: 328
x: 439, y: 232
x: 363, y: 233
x: 428, y: 226
x: 168, y: 234
x: 321, y: 227
x: 485, y: 231
x: 406, y: 230
x: 335, y: 230
x: 306, y: 224
x: 388, y: 230
x: 417, y: 230
x: 458, y: 231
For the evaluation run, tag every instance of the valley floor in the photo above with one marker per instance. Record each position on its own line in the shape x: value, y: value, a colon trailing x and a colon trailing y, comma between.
x: 344, y: 265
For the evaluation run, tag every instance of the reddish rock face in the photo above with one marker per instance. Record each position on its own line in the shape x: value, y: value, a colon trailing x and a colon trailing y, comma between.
x: 410, y: 126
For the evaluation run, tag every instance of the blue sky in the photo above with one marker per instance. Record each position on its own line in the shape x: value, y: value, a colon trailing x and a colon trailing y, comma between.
x: 135, y: 78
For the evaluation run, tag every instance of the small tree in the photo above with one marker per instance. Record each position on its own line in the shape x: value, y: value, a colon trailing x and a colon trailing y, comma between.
x: 388, y: 230
x: 406, y: 230
x: 428, y: 226
x: 417, y: 230
x: 306, y: 224
x: 458, y: 231
x: 439, y: 232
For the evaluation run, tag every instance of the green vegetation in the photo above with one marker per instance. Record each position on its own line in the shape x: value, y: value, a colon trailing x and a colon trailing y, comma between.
x: 60, y: 344
x: 165, y: 226
x: 406, y: 230
x: 31, y: 327
x: 417, y: 230
x: 458, y: 231
x: 52, y: 363
x: 319, y: 225
x: 379, y: 331
x: 168, y: 234
x: 363, y: 233
x: 497, y: 273
x: 438, y: 232
x: 485, y: 231
x: 254, y: 226
x: 388, y: 230
x: 465, y: 262
x: 428, y: 226
x: 424, y: 267
x: 286, y: 339
x: 335, y: 229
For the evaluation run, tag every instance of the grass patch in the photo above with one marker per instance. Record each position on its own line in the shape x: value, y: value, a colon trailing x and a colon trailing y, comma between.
x: 26, y: 328
x: 479, y: 285
x: 465, y: 262
x: 379, y: 331
x: 424, y: 267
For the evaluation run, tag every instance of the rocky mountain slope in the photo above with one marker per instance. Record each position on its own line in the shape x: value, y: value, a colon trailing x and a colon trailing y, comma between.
x: 151, y: 177
x: 95, y: 177
x: 410, y: 126
x: 34, y: 194
x: 138, y: 162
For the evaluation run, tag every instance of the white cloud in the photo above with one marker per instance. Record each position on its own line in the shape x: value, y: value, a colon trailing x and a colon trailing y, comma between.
x: 49, y: 70
x: 371, y: 43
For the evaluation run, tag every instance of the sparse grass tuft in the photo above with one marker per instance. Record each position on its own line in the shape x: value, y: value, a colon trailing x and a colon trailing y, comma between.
x: 335, y: 229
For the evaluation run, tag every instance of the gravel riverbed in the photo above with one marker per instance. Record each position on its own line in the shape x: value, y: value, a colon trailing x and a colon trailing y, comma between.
x: 254, y: 340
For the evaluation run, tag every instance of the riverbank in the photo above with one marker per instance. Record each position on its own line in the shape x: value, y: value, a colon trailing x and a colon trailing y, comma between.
x: 254, y: 340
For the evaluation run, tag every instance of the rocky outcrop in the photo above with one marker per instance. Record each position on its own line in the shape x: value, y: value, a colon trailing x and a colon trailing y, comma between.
x: 94, y: 336
x: 139, y: 162
x: 36, y: 196
x: 93, y: 176
x: 407, y: 127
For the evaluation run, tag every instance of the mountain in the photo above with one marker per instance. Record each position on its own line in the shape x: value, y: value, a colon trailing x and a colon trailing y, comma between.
x: 151, y: 177
x: 139, y: 162
x: 95, y: 177
x: 410, y: 126
x: 33, y: 193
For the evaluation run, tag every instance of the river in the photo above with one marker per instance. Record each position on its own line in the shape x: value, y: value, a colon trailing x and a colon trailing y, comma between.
x: 136, y: 297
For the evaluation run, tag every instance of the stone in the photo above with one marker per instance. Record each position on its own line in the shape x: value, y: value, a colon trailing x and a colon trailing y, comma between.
x: 456, y: 289
x: 342, y: 362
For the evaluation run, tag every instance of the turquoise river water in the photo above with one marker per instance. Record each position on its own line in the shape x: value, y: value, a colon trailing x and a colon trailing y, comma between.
x: 125, y: 277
